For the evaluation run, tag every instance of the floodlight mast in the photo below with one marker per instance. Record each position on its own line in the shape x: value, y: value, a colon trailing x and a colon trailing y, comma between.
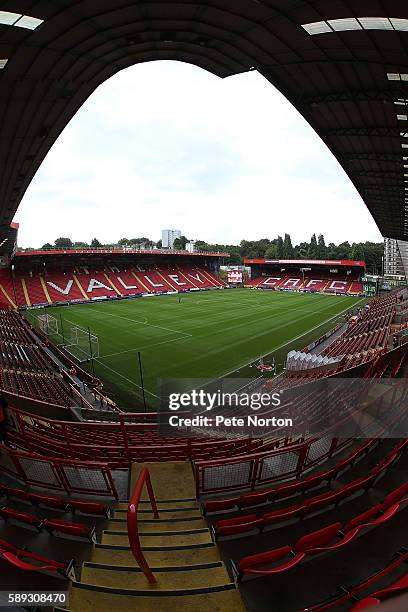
x: 141, y: 380
x: 91, y: 351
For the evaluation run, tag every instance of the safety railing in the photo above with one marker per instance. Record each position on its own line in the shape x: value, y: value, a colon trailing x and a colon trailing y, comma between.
x: 82, y: 477
x: 132, y: 525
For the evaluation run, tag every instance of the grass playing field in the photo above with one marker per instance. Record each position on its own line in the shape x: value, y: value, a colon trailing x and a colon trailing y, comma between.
x: 208, y: 335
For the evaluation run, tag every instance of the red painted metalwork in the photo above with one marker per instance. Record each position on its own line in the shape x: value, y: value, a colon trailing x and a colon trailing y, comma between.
x: 58, y: 474
x: 133, y: 531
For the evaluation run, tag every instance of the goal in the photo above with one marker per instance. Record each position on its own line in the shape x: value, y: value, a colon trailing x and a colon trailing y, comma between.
x: 48, y: 324
x: 82, y: 345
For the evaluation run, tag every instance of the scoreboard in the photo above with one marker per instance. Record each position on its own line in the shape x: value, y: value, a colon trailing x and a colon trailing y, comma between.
x: 234, y: 276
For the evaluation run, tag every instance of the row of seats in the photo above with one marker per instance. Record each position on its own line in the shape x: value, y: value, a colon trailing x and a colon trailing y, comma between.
x: 365, y: 325
x: 287, y: 489
x: 376, y: 598
x: 50, y: 286
x: 316, y: 283
x: 328, y: 539
x: 246, y: 523
x: 56, y: 502
x: 352, y: 349
x: 23, y: 357
x: 349, y: 593
x: 26, y: 369
x: 358, y: 344
x: 105, y: 443
x: 54, y: 525
x: 50, y: 389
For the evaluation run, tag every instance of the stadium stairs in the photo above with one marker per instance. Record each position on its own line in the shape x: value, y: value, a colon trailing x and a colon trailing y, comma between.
x: 177, y: 546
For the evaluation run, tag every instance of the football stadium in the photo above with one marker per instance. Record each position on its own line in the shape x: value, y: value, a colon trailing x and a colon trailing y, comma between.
x: 190, y: 427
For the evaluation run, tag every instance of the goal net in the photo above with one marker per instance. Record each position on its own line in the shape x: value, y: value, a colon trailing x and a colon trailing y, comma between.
x: 82, y: 344
x: 48, y: 324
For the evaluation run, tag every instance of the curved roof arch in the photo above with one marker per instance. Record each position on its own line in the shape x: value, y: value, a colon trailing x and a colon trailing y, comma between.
x: 342, y: 64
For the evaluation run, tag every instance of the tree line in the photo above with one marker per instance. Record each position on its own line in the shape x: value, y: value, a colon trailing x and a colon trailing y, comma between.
x: 277, y: 248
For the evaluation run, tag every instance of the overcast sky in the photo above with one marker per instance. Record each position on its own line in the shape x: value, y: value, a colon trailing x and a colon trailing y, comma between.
x: 168, y: 145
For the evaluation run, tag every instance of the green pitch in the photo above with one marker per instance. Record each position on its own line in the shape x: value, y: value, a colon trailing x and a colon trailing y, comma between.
x: 209, y: 334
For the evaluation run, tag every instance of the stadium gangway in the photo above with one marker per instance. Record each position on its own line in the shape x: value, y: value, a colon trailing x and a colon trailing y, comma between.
x: 133, y: 531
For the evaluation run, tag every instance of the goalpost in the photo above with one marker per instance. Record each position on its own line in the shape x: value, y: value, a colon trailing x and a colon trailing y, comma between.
x: 48, y: 324
x: 82, y: 345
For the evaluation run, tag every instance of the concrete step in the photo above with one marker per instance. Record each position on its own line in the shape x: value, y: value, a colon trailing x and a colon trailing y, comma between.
x: 164, y: 513
x: 170, y: 479
x: 165, y: 538
x: 186, y: 555
x: 186, y: 578
x: 88, y: 598
x: 152, y: 525
x: 170, y: 505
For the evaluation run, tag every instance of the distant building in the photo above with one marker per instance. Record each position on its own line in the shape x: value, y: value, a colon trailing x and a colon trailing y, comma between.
x: 395, y: 257
x: 168, y: 238
x: 190, y: 246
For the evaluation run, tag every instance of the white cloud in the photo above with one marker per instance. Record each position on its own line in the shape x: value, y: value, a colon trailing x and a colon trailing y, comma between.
x: 168, y: 145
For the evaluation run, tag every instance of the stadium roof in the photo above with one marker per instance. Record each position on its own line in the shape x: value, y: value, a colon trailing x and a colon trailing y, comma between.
x: 309, y: 262
x: 342, y: 64
x: 115, y: 252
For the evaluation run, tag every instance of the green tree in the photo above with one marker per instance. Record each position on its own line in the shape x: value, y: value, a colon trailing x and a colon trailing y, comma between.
x: 271, y: 252
x: 357, y: 252
x: 321, y: 247
x: 288, y: 252
x: 46, y: 247
x: 95, y: 244
x: 63, y: 243
x: 280, y: 251
x: 313, y: 252
x: 180, y: 243
x: 302, y: 250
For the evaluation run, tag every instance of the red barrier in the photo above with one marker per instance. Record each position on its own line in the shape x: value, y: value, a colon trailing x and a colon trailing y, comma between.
x: 71, y: 476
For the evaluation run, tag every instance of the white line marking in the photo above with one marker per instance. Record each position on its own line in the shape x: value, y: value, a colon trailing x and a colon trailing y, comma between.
x: 128, y: 379
x: 139, y: 348
x: 174, y: 331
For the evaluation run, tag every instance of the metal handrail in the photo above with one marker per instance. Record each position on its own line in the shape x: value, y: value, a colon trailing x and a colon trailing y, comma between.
x: 133, y: 530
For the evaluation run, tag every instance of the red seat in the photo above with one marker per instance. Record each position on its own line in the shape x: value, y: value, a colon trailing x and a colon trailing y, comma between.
x: 383, y: 518
x: 21, y: 517
x: 320, y: 501
x: 76, y: 529
x: 239, y: 524
x: 279, y: 516
x: 253, y: 499
x: 367, y: 602
x: 17, y: 493
x: 313, y: 481
x: 317, y: 538
x: 285, y: 490
x: 87, y: 507
x: 395, y: 496
x: 52, y: 501
x: 252, y: 563
x: 362, y: 518
x: 220, y: 504
x: 400, y: 585
x: 18, y: 558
